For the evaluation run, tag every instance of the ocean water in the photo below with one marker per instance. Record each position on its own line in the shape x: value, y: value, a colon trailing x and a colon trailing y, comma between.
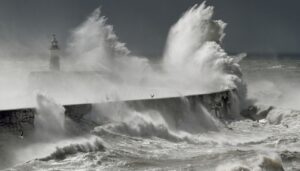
x: 117, y: 136
x: 144, y: 141
x: 273, y: 80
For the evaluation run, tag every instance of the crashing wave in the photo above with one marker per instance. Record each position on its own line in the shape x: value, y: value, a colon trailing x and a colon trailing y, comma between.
x: 50, y: 118
x: 133, y: 123
x: 201, y: 54
x: 62, y: 152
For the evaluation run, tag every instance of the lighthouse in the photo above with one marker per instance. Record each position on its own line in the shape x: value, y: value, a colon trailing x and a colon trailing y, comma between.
x: 54, y: 55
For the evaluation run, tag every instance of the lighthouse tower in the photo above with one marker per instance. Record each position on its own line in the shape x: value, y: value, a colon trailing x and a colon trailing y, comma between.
x: 54, y: 55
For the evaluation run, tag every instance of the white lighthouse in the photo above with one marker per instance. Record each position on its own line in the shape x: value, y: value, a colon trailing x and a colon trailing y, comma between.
x: 54, y: 55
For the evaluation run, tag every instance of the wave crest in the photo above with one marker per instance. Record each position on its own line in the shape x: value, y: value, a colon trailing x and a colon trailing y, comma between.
x: 62, y: 152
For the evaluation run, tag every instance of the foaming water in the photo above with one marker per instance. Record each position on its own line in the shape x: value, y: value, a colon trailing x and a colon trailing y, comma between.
x: 271, y: 162
x: 171, y: 119
x: 128, y: 121
x: 171, y: 135
x: 50, y: 118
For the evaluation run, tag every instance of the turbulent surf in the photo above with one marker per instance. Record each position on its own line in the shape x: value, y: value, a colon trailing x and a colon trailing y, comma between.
x: 260, y: 130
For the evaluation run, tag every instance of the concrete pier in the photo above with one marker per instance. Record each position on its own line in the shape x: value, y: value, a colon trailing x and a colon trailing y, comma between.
x: 218, y: 104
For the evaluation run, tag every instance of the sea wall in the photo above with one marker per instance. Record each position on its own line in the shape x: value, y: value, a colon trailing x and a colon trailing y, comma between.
x: 218, y: 104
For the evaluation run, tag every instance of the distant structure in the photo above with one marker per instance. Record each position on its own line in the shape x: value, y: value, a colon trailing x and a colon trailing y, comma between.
x: 54, y: 55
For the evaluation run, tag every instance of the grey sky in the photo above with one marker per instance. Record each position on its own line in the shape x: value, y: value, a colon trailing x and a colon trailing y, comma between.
x: 253, y: 25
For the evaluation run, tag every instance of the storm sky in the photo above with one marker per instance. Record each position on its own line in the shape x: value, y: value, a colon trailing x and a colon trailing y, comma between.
x: 253, y: 25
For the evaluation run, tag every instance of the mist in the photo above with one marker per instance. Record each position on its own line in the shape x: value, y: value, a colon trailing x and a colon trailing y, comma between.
x: 96, y: 65
x: 106, y: 106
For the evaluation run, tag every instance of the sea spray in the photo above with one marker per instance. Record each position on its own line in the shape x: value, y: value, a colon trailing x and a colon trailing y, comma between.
x: 171, y: 119
x: 200, y: 56
x: 48, y: 125
x: 50, y: 118
x: 190, y: 33
x: 94, y: 46
x: 193, y: 118
x: 122, y: 119
x: 193, y: 51
x: 144, y: 135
